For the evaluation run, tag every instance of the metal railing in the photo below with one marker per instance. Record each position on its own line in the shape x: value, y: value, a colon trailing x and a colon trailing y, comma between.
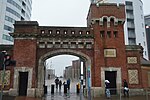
x: 147, y: 93
x: 119, y: 95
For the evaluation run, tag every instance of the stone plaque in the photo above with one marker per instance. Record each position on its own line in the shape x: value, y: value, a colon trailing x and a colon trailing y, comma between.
x: 109, y: 52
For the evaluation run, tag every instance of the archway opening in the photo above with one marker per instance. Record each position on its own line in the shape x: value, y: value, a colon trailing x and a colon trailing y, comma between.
x: 61, y: 68
x: 84, y: 58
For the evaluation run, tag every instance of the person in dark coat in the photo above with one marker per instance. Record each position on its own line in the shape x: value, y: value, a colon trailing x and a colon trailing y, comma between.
x: 68, y: 83
x: 126, y: 89
x: 60, y: 84
x: 56, y: 82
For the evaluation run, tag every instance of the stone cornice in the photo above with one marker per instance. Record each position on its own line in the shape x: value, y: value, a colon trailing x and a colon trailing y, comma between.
x: 35, y: 35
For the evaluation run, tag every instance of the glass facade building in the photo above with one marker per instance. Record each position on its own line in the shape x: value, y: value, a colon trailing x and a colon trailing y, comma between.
x: 11, y: 11
x: 147, y: 27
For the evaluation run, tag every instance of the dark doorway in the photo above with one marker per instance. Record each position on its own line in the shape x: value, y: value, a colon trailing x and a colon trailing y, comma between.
x: 111, y: 76
x: 23, y: 83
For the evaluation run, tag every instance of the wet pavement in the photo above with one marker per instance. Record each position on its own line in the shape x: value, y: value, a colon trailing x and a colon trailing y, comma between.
x: 71, y: 95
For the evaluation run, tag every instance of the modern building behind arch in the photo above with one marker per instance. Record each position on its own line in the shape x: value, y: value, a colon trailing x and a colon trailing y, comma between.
x: 11, y: 11
x: 134, y: 27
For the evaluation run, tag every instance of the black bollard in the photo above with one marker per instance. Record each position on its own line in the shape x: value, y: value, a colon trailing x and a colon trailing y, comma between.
x: 45, y: 89
x: 78, y: 88
x: 52, y: 88
x: 65, y: 88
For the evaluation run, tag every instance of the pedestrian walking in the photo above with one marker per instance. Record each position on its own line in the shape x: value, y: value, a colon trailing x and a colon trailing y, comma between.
x: 68, y: 83
x: 125, y: 89
x: 60, y: 84
x: 107, y: 90
x: 56, y: 82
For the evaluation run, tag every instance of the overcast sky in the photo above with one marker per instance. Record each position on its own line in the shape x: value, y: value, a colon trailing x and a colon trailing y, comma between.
x: 65, y: 13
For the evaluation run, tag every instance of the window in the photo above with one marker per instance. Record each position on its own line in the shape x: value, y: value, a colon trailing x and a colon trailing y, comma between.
x: 142, y: 25
x: 144, y: 43
x: 14, y: 4
x: 102, y: 34
x: 50, y: 31
x: 73, y: 32
x: 109, y: 34
x: 57, y: 31
x: 141, y: 7
x: 141, y: 16
x: 65, y: 32
x: 8, y: 28
x: 143, y: 34
x: 145, y: 53
x: 87, y: 32
x: 42, y: 31
x: 9, y: 19
x: 7, y: 37
x: 13, y: 12
x: 115, y: 34
x: 80, y: 32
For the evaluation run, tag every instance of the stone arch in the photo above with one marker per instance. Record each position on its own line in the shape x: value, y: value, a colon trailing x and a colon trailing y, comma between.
x: 115, y: 20
x: 102, y: 19
x: 86, y: 58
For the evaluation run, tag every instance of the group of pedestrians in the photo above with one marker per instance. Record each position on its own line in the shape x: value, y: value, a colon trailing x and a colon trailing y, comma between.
x: 125, y: 88
x: 59, y: 84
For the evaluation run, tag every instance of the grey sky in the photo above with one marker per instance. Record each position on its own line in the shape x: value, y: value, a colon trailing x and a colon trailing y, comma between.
x: 60, y: 12
x: 65, y: 13
x: 60, y: 62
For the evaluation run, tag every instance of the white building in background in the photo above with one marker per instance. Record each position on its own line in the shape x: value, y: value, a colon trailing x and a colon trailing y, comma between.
x: 11, y: 11
x: 134, y: 27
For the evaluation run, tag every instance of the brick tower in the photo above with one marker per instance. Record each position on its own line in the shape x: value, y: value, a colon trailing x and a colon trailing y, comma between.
x: 107, y: 21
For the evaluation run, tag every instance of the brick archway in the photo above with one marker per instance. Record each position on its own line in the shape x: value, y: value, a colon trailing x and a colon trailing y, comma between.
x: 84, y: 57
x: 100, y: 44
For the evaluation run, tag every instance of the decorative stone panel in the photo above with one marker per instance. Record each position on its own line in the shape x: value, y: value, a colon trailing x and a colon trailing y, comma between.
x: 133, y: 76
x: 132, y: 60
x: 6, y: 78
x: 109, y: 52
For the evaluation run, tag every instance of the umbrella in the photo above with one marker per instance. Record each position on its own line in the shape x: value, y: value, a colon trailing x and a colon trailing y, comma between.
x: 106, y: 81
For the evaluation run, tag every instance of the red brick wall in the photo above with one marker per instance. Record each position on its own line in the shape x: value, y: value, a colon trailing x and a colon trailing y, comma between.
x: 104, y: 42
x: 25, y: 54
x: 137, y: 66
x: 145, y: 71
